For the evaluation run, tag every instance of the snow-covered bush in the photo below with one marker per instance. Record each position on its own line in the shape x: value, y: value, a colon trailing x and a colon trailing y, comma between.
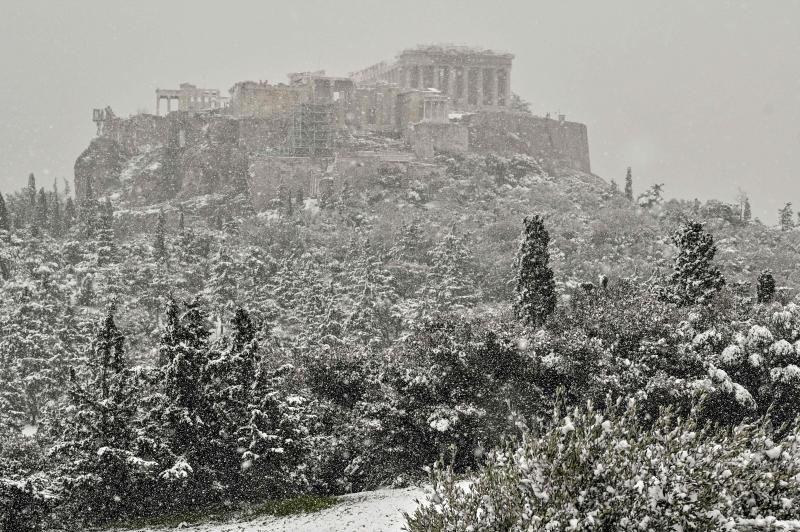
x: 588, y: 469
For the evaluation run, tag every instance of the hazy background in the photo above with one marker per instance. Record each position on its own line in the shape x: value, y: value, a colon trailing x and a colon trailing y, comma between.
x: 702, y: 96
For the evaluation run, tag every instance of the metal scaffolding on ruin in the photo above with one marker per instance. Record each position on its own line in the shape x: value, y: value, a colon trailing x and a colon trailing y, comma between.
x: 312, y: 130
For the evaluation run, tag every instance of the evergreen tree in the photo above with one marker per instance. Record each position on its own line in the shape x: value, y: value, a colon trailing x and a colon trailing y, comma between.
x: 450, y: 282
x: 535, y: 288
x: 765, y: 290
x: 746, y: 212
x: 70, y: 214
x: 85, y: 296
x: 614, y: 187
x: 629, y: 184
x: 98, y: 438
x: 106, y: 248
x: 289, y: 208
x: 159, y: 242
x: 184, y: 347
x: 695, y: 279
x: 5, y: 219
x: 181, y: 223
x: 786, y: 217
x: 299, y: 199
x: 88, y: 211
x: 56, y: 219
x: 40, y: 218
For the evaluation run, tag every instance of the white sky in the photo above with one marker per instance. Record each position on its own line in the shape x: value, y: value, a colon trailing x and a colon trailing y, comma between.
x: 702, y: 96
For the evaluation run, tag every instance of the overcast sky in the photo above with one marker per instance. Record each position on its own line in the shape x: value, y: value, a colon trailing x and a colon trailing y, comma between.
x: 702, y: 96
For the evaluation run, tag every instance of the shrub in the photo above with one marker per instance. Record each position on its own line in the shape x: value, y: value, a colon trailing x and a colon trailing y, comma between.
x: 591, y: 470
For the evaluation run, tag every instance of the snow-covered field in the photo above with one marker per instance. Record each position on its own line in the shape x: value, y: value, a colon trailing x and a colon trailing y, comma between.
x: 373, y: 511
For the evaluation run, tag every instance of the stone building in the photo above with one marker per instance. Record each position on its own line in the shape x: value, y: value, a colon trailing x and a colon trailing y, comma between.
x: 250, y: 99
x: 473, y: 78
x: 190, y: 98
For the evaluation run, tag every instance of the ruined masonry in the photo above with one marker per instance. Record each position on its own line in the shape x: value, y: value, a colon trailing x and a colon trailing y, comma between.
x: 316, y: 131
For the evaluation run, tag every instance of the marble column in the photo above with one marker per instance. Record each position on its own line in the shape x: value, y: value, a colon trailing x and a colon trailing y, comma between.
x: 451, y: 83
x: 493, y: 86
x: 479, y: 87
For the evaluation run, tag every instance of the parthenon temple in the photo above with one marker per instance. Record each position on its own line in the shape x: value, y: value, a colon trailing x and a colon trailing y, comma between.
x: 472, y: 78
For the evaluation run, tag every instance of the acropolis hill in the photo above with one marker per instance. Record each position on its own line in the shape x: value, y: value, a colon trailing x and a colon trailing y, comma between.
x: 316, y: 131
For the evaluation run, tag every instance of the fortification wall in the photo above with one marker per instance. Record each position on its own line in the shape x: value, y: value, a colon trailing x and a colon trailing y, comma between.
x: 515, y: 132
x: 426, y: 138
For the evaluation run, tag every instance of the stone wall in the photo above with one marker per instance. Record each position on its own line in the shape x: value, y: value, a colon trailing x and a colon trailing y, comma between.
x: 268, y: 173
x: 517, y: 132
x: 426, y: 138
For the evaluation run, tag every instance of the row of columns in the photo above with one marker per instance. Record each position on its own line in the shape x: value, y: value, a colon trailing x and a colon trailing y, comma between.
x: 169, y: 103
x: 498, y: 84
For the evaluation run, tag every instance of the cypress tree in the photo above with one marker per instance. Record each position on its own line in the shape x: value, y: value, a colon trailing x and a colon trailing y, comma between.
x: 765, y: 290
x: 88, y: 210
x: 5, y: 219
x: 786, y: 217
x: 695, y: 280
x: 629, y: 184
x: 106, y: 249
x: 69, y: 214
x: 56, y: 222
x: 535, y: 289
x: 159, y: 243
x: 98, y: 433
x: 41, y: 209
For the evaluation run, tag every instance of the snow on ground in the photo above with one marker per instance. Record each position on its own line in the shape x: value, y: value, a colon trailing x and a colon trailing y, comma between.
x: 372, y: 511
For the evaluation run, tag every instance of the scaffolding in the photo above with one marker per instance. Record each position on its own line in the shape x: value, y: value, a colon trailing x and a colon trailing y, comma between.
x: 312, y: 130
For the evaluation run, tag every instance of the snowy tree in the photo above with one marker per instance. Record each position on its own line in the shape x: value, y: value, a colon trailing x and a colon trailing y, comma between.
x: 98, y: 437
x: 765, y: 290
x: 69, y: 214
x: 159, y: 240
x: 184, y: 348
x: 449, y: 284
x: 535, y: 287
x: 106, y: 248
x: 629, y: 184
x: 786, y: 217
x: 650, y: 197
x: 695, y: 279
x: 88, y: 211
x: 5, y: 219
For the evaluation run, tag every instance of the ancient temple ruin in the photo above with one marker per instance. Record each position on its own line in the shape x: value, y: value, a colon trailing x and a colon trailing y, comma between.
x: 472, y: 78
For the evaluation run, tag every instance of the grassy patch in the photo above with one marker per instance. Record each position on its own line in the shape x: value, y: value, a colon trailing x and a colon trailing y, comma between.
x: 212, y: 514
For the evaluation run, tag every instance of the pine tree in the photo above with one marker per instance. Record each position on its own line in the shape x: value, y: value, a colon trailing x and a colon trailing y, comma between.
x: 629, y: 184
x: 535, y: 288
x: 39, y: 222
x: 765, y: 290
x: 106, y: 248
x: 159, y: 242
x: 5, y: 219
x: 695, y: 279
x: 786, y: 217
x: 746, y: 212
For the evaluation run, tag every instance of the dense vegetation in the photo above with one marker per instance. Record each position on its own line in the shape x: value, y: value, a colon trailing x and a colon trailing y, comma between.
x: 164, y: 359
